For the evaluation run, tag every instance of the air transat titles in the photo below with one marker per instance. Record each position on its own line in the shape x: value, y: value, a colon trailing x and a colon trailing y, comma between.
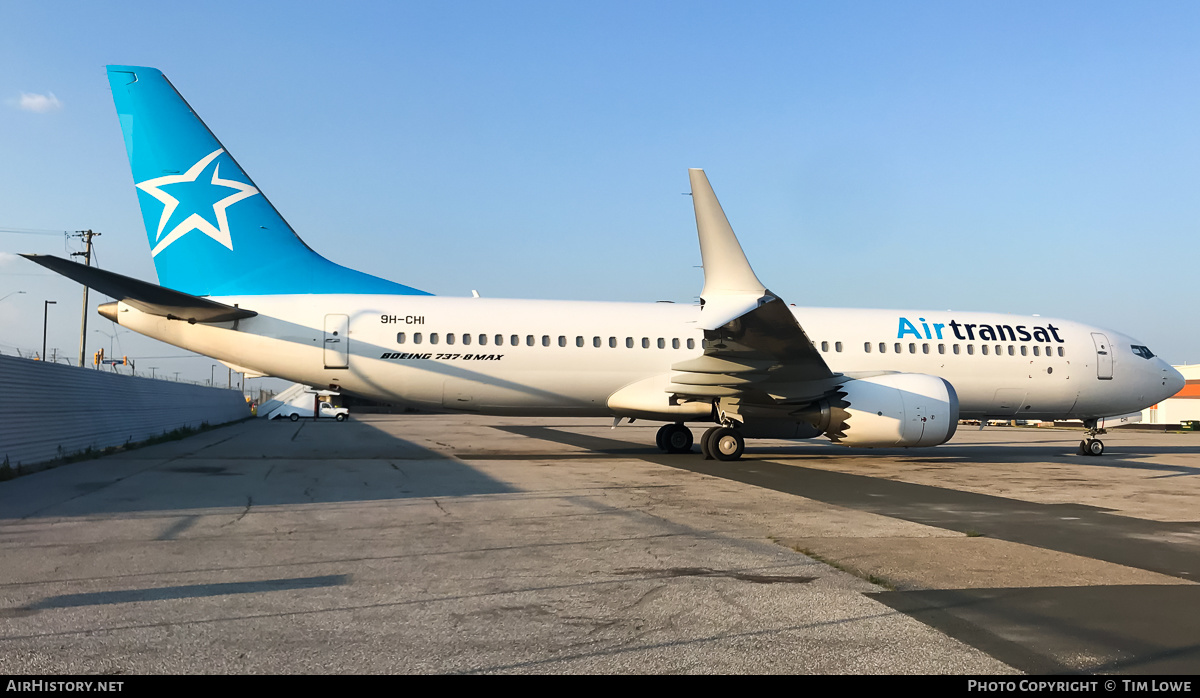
x: 973, y: 331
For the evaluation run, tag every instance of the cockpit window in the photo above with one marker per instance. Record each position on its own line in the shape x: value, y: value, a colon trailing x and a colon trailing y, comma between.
x: 1143, y: 352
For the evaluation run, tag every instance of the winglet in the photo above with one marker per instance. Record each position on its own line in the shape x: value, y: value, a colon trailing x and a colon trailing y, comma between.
x: 726, y: 270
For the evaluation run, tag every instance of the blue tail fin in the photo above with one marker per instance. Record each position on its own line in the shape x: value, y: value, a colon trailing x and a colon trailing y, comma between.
x: 211, y: 231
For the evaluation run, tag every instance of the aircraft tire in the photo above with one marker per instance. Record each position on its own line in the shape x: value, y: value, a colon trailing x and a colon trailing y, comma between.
x: 706, y: 447
x: 660, y: 439
x: 677, y: 439
x: 727, y: 444
x: 1095, y: 447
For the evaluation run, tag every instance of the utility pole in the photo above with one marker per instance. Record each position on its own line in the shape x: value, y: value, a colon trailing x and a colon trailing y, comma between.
x: 45, y: 317
x: 87, y: 236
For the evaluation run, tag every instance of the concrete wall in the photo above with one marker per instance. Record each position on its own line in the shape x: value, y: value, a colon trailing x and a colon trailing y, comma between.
x: 48, y: 410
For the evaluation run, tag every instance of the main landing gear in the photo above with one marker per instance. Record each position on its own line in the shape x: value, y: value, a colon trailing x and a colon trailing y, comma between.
x: 1091, y: 446
x: 721, y: 443
x: 674, y: 438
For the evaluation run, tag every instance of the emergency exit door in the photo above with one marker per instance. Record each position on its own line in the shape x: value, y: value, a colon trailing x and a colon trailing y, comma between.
x: 337, y: 341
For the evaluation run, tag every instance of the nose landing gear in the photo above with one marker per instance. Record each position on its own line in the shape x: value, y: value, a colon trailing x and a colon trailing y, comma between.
x: 1091, y: 446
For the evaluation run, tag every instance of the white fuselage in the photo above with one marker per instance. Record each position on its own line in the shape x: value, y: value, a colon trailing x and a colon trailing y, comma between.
x: 530, y: 357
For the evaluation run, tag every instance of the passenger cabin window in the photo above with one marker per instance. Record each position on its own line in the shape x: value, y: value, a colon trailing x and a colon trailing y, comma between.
x: 579, y: 341
x: 837, y: 346
x: 924, y: 348
x: 433, y: 337
x: 882, y: 347
x: 499, y: 340
x: 691, y: 343
x: 1060, y: 351
x: 897, y: 348
x: 675, y: 343
x: 1037, y: 351
x: 645, y: 342
x: 400, y: 338
x: 562, y: 340
x: 912, y: 348
x: 545, y: 340
x: 867, y: 347
x: 824, y: 346
x: 662, y: 343
x: 466, y: 340
x: 515, y: 340
x: 956, y: 349
x: 416, y: 337
x: 941, y: 348
x: 596, y: 342
x: 1024, y: 350
x: 483, y: 340
x: 612, y: 342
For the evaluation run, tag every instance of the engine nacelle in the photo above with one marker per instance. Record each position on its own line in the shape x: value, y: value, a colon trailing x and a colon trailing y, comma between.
x: 898, y: 409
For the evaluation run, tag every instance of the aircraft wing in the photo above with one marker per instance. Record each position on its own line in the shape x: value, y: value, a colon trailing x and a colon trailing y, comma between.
x: 755, y: 351
x: 146, y: 297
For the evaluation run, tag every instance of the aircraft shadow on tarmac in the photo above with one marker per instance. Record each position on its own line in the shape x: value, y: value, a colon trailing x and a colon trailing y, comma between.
x: 1057, y: 450
x: 255, y: 463
x: 1122, y: 629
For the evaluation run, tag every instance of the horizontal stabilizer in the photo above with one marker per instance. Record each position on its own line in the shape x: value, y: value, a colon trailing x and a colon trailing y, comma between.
x: 146, y: 297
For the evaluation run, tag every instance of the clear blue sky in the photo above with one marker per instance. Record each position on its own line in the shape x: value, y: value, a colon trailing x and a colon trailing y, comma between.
x: 1024, y: 157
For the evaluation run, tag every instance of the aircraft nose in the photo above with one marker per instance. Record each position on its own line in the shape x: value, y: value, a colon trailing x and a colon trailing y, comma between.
x: 1173, y: 381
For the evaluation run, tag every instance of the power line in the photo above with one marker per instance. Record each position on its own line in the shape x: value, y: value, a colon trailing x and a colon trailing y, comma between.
x: 34, y: 231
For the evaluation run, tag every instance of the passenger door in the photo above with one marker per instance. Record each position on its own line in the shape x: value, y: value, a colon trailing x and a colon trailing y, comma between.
x: 1104, y: 359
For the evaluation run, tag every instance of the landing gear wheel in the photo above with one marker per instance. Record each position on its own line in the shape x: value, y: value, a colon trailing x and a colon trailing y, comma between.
x: 727, y: 444
x: 660, y: 439
x: 675, y: 438
x: 706, y: 445
x: 1091, y: 446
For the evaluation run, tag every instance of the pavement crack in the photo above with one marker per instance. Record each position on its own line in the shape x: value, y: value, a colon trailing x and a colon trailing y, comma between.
x: 246, y: 510
x: 676, y: 572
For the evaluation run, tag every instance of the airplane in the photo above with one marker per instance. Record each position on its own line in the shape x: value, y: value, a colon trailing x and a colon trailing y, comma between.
x: 238, y: 285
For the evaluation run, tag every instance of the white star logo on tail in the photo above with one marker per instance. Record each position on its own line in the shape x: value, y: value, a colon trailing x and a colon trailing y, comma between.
x: 195, y: 221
